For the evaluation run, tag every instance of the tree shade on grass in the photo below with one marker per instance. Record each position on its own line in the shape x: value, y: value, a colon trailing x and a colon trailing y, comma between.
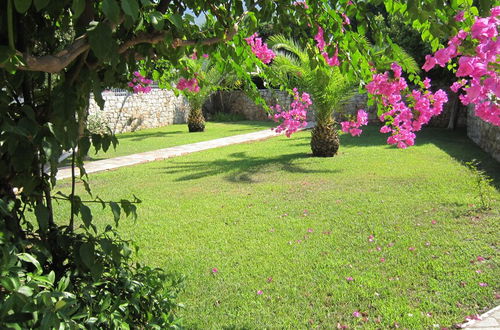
x: 176, y: 135
x: 271, y: 237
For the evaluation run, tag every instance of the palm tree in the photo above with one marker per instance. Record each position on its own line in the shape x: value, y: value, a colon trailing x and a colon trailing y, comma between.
x: 328, y: 88
x: 210, y: 79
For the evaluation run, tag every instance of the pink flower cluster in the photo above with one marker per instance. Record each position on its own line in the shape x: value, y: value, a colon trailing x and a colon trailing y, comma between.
x: 352, y: 127
x: 321, y: 44
x: 191, y: 85
x: 404, y: 116
x: 480, y: 70
x: 295, y: 118
x: 140, y: 84
x: 260, y: 49
x: 301, y: 3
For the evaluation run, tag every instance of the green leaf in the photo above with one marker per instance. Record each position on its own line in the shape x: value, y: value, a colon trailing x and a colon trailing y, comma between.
x: 131, y: 8
x: 157, y: 20
x: 111, y: 9
x: 42, y: 216
x: 40, y: 4
x: 60, y: 304
x: 22, y: 6
x: 84, y: 145
x: 86, y: 215
x: 25, y: 290
x: 29, y: 258
x: 87, y: 254
x: 101, y: 41
x: 116, y: 211
x: 176, y: 19
x: 77, y: 7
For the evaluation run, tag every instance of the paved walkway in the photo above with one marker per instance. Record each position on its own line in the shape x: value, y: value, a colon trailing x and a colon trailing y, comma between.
x: 489, y: 320
x: 150, y: 156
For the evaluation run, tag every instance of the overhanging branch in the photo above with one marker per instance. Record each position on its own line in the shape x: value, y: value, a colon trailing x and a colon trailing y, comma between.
x: 57, y: 62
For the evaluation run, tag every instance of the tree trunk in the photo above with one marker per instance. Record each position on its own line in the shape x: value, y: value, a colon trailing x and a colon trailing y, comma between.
x: 325, y: 140
x: 196, y: 121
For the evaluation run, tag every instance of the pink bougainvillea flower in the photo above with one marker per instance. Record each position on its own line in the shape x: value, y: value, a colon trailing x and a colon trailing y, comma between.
x: 371, y: 238
x: 433, y: 222
x: 205, y: 55
x: 483, y: 284
x: 473, y: 317
x: 260, y: 292
x: 427, y: 83
x: 411, y: 248
x: 382, y: 259
x: 295, y: 118
x: 194, y: 56
x: 460, y: 16
x: 320, y: 41
x: 349, y: 279
x: 310, y: 230
x: 479, y: 271
x: 479, y: 258
x: 430, y: 62
x: 301, y: 3
x: 346, y: 19
x: 215, y: 270
x: 379, y: 248
x: 260, y: 49
x: 356, y: 314
x: 191, y: 85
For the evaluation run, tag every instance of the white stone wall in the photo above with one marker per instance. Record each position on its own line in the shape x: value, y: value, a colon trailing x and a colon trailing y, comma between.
x: 483, y: 134
x: 125, y: 112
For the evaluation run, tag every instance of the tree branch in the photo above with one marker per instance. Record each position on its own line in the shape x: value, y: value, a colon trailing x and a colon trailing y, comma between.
x: 56, y: 63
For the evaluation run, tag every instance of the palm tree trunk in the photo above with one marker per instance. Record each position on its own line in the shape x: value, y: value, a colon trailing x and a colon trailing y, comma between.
x: 196, y: 121
x: 325, y: 139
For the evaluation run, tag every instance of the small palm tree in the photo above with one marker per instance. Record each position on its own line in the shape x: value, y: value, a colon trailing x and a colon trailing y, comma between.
x: 328, y: 88
x: 210, y: 79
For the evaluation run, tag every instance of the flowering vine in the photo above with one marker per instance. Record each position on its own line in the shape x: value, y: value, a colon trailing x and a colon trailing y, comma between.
x: 353, y: 127
x: 405, y: 111
x: 478, y: 70
x: 260, y: 48
x: 140, y: 84
x: 321, y: 44
x: 191, y: 84
x: 295, y: 118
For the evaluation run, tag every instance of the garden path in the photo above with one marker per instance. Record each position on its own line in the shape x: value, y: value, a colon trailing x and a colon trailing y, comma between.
x: 150, y: 156
x: 489, y: 320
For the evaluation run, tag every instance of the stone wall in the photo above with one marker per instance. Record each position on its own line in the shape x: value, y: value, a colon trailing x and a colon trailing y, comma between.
x: 237, y: 102
x: 126, y: 112
x: 484, y: 134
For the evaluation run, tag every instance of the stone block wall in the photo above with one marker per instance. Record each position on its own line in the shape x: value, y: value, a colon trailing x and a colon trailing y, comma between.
x: 126, y: 112
x: 237, y: 102
x: 484, y: 134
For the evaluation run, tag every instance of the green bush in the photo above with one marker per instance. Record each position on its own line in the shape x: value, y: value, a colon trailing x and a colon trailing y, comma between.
x: 102, y: 289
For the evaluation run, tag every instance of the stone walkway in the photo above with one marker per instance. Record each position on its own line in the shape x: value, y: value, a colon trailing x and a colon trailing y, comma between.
x: 489, y: 320
x: 150, y: 156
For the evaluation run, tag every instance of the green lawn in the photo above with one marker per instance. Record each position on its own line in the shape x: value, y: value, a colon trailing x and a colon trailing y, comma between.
x: 176, y: 135
x: 270, y: 217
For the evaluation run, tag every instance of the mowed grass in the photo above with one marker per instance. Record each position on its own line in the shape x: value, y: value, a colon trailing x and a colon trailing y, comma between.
x: 175, y: 135
x: 269, y: 217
